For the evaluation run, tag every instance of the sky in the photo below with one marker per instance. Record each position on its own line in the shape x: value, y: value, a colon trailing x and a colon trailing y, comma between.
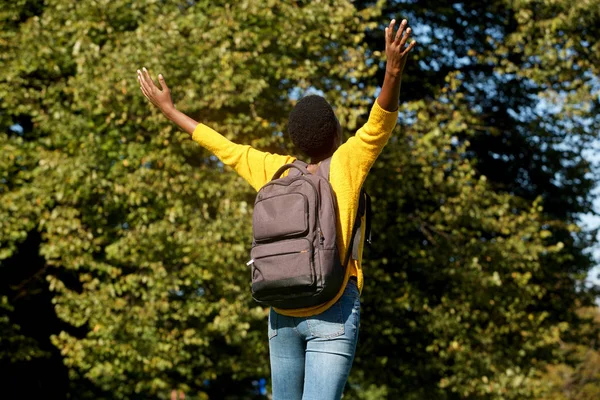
x: 591, y: 221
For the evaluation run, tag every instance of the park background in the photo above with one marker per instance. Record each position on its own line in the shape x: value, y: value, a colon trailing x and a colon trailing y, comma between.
x: 123, y: 243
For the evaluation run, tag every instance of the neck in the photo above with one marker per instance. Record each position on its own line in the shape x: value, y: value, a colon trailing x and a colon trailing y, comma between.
x: 316, y: 160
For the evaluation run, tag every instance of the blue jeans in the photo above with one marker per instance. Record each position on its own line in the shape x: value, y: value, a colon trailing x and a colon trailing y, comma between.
x: 311, y: 357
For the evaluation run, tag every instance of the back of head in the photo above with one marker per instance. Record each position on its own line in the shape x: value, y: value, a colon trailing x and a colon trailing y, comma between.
x: 313, y: 126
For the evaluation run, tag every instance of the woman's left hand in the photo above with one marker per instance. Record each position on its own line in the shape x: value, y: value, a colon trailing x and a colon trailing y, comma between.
x: 395, y: 47
x: 159, y: 96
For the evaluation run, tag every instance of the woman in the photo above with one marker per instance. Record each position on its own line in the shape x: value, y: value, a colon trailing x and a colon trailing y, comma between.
x: 312, y: 349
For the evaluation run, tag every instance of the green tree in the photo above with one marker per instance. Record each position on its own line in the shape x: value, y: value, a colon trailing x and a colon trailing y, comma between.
x: 142, y: 236
x: 579, y: 377
x: 512, y: 87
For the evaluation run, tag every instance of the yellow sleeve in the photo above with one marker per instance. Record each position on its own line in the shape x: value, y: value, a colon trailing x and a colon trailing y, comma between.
x: 256, y: 167
x: 357, y: 155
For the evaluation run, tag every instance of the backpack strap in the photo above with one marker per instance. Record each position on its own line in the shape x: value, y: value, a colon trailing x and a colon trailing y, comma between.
x: 368, y: 217
x: 354, y: 241
x: 297, y: 168
x: 364, y: 208
x: 322, y: 170
x: 294, y: 171
x: 324, y: 167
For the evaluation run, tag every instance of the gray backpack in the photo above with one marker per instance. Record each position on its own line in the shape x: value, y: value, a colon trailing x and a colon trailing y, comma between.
x: 295, y: 260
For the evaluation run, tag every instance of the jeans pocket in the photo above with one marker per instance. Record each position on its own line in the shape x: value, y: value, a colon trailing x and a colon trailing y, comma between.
x: 328, y: 324
x: 272, y: 324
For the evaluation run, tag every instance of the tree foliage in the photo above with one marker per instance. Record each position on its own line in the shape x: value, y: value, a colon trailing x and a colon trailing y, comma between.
x: 139, y: 237
x: 514, y: 83
x: 579, y: 377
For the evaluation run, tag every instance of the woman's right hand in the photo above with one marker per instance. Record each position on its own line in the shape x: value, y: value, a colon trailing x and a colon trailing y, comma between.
x: 160, y: 97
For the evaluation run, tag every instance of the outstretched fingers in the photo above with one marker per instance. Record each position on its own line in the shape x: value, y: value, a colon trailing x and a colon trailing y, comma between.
x: 389, y: 32
x: 400, y: 38
x: 144, y: 90
x: 410, y: 47
x: 405, y: 37
x: 146, y: 85
x: 399, y: 34
x: 157, y: 93
x: 163, y: 84
x: 147, y: 78
x: 142, y: 81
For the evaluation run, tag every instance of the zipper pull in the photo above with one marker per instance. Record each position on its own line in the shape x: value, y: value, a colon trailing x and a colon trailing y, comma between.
x: 249, y: 263
x: 322, y: 238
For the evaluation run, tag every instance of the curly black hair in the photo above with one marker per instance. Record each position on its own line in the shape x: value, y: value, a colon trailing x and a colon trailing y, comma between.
x: 312, y: 126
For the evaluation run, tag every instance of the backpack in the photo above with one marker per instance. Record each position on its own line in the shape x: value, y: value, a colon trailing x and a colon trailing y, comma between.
x: 295, y: 261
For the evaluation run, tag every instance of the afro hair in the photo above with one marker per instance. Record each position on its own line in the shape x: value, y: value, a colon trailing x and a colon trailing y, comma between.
x: 312, y: 126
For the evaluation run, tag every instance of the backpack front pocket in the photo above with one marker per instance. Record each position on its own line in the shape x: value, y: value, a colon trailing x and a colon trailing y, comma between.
x: 280, y: 217
x: 282, y: 267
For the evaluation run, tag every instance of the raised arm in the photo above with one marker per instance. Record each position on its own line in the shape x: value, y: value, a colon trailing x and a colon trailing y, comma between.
x: 256, y: 167
x: 358, y: 154
x: 161, y: 98
x: 396, y: 54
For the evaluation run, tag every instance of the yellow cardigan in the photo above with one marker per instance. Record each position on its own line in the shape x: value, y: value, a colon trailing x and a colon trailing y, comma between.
x: 350, y: 165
